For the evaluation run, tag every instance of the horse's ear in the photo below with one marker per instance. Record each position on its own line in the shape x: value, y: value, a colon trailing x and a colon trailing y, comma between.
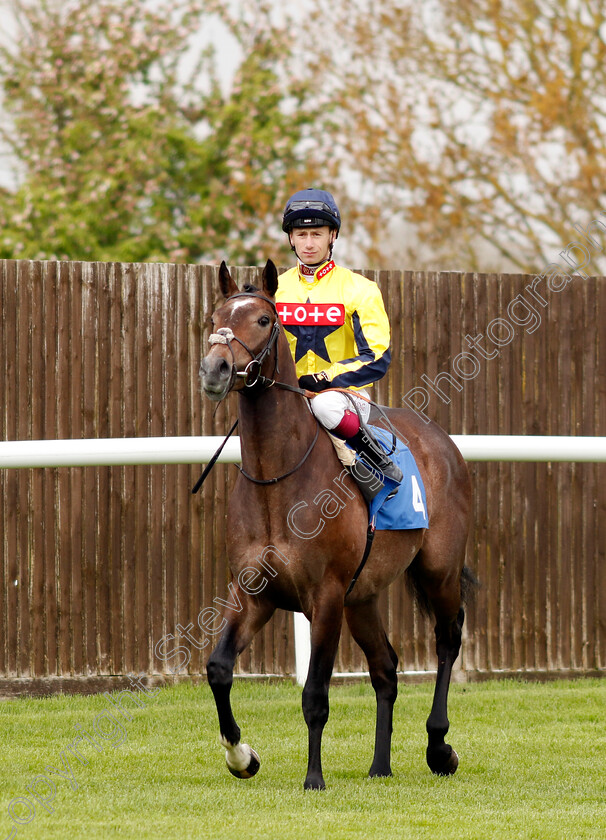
x: 228, y: 287
x: 270, y: 278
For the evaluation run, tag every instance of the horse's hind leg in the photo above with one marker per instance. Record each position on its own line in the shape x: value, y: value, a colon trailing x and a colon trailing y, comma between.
x: 242, y: 761
x: 443, y: 594
x: 441, y: 757
x: 367, y: 629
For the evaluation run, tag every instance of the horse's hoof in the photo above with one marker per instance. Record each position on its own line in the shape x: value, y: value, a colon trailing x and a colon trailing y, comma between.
x: 443, y: 762
x: 242, y: 761
x: 378, y: 773
x: 245, y: 772
x: 314, y: 783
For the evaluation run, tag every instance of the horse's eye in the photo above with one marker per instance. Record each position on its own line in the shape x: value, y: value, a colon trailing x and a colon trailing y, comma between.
x: 264, y: 320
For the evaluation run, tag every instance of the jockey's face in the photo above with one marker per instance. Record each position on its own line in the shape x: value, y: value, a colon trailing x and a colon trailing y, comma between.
x: 312, y: 245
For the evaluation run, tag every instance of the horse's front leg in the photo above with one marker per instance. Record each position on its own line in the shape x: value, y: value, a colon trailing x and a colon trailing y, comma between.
x: 326, y: 622
x: 242, y: 760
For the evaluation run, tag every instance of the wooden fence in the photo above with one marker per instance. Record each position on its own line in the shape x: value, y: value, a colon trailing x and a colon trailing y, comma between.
x: 98, y: 565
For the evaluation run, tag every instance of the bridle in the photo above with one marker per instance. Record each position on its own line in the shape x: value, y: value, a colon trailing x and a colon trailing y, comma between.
x: 225, y: 335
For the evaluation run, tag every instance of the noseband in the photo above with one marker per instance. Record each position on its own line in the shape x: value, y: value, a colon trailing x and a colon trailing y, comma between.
x: 225, y: 335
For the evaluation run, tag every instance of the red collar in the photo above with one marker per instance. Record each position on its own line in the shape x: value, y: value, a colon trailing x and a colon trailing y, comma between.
x: 318, y: 273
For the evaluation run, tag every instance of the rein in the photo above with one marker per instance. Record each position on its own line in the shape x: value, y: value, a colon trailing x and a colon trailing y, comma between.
x: 290, y: 472
x: 225, y: 335
x: 213, y: 460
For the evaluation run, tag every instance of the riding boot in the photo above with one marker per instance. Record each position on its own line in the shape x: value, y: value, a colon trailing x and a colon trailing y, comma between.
x: 371, y: 451
x: 369, y: 482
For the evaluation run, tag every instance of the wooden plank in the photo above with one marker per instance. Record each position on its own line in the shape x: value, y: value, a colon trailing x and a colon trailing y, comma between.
x: 514, y: 374
x: 578, y: 370
x: 485, y: 488
x: 465, y: 302
x: 142, y: 474
x: 38, y: 508
x: 115, y: 397
x: 535, y: 365
x: 48, y: 555
x: 65, y: 549
x: 159, y: 276
x: 23, y: 403
x: 76, y: 509
x: 100, y: 277
x: 394, y: 284
x: 588, y: 473
x: 506, y: 523
x: 452, y: 308
x: 9, y: 350
x: 206, y: 589
x: 549, y: 407
x: 492, y: 572
x: 565, y: 423
x: 179, y: 481
x: 401, y: 636
x: 424, y: 318
x: 90, y: 327
x: 190, y: 525
x: 171, y: 293
x: 600, y: 504
x: 131, y: 500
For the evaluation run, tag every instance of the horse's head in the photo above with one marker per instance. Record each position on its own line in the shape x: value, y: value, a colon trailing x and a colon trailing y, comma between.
x: 245, y: 331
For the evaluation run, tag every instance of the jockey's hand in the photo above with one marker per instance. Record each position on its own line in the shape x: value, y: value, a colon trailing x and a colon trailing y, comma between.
x: 314, y: 382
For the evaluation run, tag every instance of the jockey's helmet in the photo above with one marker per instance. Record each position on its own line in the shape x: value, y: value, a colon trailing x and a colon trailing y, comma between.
x: 311, y: 208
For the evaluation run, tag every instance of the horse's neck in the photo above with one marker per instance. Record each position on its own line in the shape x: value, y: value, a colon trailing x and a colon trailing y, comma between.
x: 276, y: 426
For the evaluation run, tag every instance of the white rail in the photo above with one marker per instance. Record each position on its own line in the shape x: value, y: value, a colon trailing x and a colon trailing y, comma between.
x: 98, y: 452
x: 531, y: 448
x: 113, y: 452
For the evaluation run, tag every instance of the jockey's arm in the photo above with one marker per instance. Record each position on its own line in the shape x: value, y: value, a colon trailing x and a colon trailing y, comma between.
x: 372, y: 338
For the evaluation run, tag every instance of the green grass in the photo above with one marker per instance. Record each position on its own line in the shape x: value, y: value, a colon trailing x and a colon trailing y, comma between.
x: 531, y: 766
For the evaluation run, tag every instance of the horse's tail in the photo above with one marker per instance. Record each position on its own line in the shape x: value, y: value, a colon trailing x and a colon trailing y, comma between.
x: 469, y: 586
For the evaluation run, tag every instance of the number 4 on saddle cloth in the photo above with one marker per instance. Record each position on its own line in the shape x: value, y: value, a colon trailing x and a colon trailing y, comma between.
x: 407, y: 507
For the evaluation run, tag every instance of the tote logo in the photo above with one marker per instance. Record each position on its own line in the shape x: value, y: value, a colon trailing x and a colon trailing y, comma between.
x: 326, y: 270
x: 312, y: 314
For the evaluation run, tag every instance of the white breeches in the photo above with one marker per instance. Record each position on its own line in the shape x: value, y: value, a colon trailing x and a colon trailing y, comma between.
x: 329, y: 407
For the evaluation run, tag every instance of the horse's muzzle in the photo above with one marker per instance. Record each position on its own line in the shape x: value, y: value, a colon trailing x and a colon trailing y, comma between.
x: 216, y: 375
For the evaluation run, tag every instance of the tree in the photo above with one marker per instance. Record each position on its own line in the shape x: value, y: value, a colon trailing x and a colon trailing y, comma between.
x: 481, y: 124
x: 122, y: 155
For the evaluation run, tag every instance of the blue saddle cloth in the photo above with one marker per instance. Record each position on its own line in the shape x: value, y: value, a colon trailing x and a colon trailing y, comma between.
x: 408, y: 507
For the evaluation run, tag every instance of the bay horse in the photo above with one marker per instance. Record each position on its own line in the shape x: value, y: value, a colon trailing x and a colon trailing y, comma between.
x: 288, y: 461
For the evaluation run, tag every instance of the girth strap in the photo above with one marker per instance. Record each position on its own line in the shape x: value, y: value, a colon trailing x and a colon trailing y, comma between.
x: 370, y: 535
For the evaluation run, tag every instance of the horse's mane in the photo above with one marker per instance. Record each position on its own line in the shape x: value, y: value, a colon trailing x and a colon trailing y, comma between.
x: 248, y: 287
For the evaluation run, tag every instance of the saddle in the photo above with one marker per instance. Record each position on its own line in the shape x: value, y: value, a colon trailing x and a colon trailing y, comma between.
x: 391, y: 505
x: 367, y: 476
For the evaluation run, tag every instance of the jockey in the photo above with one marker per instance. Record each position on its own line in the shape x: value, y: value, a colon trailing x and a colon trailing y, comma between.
x: 336, y: 325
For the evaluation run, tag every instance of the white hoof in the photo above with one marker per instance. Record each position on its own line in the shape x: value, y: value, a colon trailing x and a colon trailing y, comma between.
x: 242, y: 761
